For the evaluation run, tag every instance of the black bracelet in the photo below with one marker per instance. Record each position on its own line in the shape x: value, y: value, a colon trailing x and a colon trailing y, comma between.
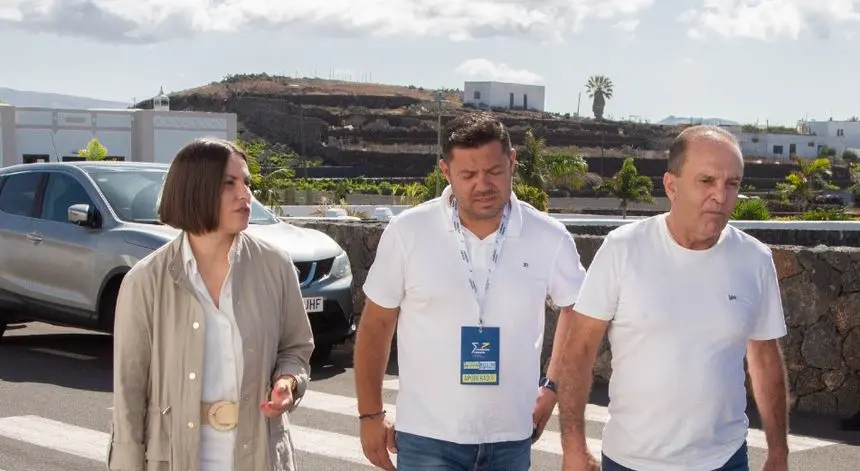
x: 370, y: 416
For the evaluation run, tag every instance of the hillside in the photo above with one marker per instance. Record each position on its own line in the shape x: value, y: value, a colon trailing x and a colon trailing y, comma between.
x: 25, y: 98
x: 348, y: 123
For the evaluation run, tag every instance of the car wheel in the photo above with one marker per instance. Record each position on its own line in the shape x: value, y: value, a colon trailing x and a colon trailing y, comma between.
x: 321, y: 353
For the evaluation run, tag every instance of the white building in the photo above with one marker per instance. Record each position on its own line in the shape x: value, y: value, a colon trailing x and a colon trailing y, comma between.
x: 504, y: 95
x: 30, y: 135
x: 767, y: 145
x: 846, y: 131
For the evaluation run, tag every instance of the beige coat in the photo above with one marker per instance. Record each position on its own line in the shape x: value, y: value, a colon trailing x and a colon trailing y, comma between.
x: 158, y: 343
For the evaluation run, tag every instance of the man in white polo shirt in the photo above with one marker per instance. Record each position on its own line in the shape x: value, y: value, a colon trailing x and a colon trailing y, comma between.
x: 464, y: 278
x: 685, y: 297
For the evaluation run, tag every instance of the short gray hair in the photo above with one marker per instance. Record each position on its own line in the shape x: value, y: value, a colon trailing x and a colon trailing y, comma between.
x: 678, y: 149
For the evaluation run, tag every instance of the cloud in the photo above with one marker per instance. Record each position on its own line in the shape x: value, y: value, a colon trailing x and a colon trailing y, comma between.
x: 484, y: 69
x: 628, y: 26
x: 151, y: 21
x: 770, y: 20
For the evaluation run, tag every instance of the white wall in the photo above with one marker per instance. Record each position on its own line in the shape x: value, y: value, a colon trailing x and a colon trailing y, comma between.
x: 766, y: 143
x: 167, y: 142
x: 135, y: 135
x: 498, y: 95
x: 849, y: 130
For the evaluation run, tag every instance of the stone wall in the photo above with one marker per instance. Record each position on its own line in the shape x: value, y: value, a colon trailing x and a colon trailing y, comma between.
x: 820, y: 292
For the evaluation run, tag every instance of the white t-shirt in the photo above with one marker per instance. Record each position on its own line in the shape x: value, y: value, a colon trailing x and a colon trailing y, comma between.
x: 680, y: 321
x: 418, y: 268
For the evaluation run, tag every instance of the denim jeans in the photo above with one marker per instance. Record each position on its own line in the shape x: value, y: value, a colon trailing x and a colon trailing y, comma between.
x: 738, y: 462
x: 427, y: 454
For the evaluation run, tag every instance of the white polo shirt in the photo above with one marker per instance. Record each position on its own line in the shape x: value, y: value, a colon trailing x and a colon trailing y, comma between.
x: 680, y: 322
x: 418, y: 268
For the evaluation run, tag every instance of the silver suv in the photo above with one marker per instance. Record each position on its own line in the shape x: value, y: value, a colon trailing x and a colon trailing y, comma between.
x: 70, y: 231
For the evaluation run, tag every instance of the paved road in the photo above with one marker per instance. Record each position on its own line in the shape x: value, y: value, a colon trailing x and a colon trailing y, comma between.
x: 55, y: 395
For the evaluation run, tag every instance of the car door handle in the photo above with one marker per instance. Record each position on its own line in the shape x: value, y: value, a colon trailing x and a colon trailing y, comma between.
x: 34, y: 237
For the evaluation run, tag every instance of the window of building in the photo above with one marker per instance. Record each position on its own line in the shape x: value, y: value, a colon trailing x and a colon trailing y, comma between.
x: 33, y: 158
x: 777, y: 150
x: 477, y: 95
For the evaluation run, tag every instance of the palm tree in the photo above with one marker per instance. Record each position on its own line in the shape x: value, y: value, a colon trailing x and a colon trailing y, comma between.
x: 628, y: 186
x: 599, y: 87
x: 812, y: 177
x: 542, y: 170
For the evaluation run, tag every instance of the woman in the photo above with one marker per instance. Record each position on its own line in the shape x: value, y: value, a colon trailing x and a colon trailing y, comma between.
x: 211, y: 341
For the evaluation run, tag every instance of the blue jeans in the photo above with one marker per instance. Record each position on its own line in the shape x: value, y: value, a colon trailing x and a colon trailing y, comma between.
x: 427, y: 454
x: 738, y: 462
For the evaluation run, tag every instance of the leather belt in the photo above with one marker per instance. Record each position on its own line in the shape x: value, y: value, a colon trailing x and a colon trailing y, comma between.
x: 220, y: 415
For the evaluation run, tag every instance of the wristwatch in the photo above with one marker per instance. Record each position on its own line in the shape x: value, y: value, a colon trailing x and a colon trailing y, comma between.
x: 549, y: 384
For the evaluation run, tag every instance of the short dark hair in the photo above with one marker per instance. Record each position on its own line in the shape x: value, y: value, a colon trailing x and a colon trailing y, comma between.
x: 191, y: 197
x: 474, y: 130
x: 678, y: 149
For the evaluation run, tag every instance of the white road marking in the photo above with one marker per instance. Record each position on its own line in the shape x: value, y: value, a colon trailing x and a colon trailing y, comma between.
x: 330, y: 445
x: 61, y: 353
x: 319, y: 401
x: 47, y: 433
x: 92, y: 444
x: 755, y: 437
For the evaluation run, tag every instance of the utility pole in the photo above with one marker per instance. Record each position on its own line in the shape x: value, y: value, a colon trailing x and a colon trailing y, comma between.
x: 438, y: 137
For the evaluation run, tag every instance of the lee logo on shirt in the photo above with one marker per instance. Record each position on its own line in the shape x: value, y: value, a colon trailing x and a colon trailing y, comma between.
x: 732, y: 297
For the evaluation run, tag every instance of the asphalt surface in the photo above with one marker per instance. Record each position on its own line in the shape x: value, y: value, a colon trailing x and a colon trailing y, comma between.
x: 55, y: 395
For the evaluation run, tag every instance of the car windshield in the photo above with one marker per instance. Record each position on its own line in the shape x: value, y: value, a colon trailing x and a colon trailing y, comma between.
x: 133, y: 195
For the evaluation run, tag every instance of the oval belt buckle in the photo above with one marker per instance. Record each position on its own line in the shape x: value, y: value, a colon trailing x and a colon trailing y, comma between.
x: 214, y: 416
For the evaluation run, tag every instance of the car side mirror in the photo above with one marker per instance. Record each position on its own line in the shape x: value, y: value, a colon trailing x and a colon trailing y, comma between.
x: 82, y: 215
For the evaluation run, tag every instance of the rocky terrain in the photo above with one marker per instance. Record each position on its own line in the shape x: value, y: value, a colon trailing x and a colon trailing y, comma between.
x: 324, y: 118
x: 356, y: 129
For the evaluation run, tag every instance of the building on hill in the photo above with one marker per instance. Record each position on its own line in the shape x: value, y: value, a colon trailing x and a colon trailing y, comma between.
x: 29, y: 134
x: 503, y: 95
x: 846, y: 131
x: 784, y: 145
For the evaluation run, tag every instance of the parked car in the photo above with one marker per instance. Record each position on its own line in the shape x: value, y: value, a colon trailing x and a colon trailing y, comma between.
x: 70, y: 231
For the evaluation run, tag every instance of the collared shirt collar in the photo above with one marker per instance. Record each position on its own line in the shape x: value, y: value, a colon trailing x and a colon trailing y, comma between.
x: 190, y: 262
x: 515, y: 224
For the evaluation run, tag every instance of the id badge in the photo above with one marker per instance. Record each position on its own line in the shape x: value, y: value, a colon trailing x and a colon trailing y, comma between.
x: 479, y: 356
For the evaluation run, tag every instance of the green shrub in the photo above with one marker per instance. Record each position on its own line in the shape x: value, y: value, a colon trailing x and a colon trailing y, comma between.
x: 533, y: 196
x: 751, y: 210
x: 825, y: 215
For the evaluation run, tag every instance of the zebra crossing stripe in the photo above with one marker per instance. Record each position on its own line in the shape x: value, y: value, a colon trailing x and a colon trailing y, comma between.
x: 47, y: 433
x: 92, y: 444
x: 549, y: 442
x: 593, y: 413
x: 755, y: 437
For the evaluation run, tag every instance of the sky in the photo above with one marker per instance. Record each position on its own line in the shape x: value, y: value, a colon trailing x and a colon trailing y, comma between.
x: 764, y: 61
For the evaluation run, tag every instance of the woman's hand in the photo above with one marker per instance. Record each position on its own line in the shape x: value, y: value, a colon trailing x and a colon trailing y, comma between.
x: 281, y: 397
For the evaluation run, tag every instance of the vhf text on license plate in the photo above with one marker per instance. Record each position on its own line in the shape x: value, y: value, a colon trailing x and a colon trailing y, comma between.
x: 313, y: 304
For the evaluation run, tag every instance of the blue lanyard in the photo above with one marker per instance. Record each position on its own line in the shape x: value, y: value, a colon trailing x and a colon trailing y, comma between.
x: 464, y: 254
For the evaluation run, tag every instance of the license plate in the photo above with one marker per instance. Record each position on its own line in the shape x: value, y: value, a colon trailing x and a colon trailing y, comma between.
x: 313, y: 304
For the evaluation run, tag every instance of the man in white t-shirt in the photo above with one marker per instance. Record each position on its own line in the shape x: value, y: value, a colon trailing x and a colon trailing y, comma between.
x: 684, y: 297
x: 464, y: 278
